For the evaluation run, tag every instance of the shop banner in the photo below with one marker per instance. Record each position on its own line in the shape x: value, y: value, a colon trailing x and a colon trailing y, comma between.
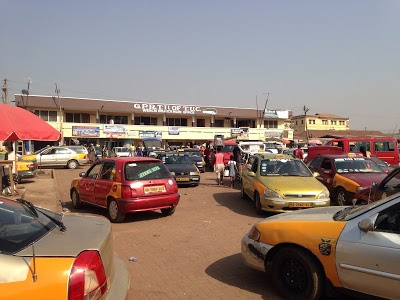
x: 156, y: 134
x: 85, y: 131
x: 173, y: 130
x: 112, y: 128
x: 273, y: 134
x: 241, y: 133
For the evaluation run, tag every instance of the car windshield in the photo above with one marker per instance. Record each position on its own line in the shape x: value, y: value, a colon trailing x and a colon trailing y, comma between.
x: 193, y: 153
x: 379, y: 162
x: 177, y: 159
x: 152, y: 144
x: 20, y: 226
x: 145, y: 171
x: 228, y: 148
x: 356, y: 165
x: 284, y: 167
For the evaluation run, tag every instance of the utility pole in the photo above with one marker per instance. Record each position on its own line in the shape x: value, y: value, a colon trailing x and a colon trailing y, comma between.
x: 306, y: 109
x: 5, y: 91
x: 57, y: 91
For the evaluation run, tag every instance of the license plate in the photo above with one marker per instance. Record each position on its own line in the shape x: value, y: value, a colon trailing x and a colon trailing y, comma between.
x: 182, y: 179
x: 154, y: 189
x: 300, y: 204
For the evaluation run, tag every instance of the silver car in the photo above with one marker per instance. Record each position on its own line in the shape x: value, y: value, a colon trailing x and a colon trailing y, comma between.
x: 356, y: 248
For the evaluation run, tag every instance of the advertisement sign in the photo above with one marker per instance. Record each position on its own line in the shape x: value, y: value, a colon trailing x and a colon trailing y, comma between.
x: 85, y: 131
x: 156, y: 134
x: 112, y: 128
x: 173, y: 130
x: 174, y: 109
x: 273, y: 134
x: 244, y: 133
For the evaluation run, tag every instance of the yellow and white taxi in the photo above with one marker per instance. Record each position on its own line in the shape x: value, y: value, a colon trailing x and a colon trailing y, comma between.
x: 281, y: 183
x: 351, y: 247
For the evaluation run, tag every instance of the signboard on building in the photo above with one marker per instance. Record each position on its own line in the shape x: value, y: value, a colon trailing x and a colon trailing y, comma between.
x: 241, y: 133
x: 273, y: 134
x: 113, y: 128
x: 276, y: 114
x: 173, y: 130
x: 85, y: 131
x: 173, y: 109
x: 156, y: 134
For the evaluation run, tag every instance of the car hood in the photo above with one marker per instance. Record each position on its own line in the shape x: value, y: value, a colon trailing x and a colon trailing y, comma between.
x: 181, y: 168
x: 310, y: 214
x: 364, y: 179
x: 294, y: 185
x: 83, y: 232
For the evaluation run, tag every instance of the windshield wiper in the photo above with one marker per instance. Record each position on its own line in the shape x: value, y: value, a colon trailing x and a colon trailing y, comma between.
x: 34, y: 212
x: 339, y: 215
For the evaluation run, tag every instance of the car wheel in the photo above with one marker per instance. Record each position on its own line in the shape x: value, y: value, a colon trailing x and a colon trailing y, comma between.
x: 72, y: 164
x: 257, y: 204
x: 76, y: 200
x: 243, y: 193
x: 297, y: 275
x: 341, y: 196
x: 168, y: 211
x: 114, y: 213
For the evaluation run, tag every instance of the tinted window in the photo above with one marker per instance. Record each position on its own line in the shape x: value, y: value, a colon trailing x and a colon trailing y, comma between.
x: 315, y: 163
x: 145, y: 171
x: 383, y: 146
x: 389, y: 220
x: 355, y: 146
x: 108, y: 171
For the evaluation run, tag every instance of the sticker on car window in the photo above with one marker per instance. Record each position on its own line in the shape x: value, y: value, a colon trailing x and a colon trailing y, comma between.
x: 149, y: 171
x: 132, y: 165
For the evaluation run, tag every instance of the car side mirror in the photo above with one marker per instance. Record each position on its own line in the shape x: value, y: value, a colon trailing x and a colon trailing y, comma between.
x: 82, y: 174
x: 329, y: 172
x: 251, y: 174
x: 316, y: 174
x: 368, y: 224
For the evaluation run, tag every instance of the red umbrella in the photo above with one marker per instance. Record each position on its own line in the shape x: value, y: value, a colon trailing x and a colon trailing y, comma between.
x: 20, y: 124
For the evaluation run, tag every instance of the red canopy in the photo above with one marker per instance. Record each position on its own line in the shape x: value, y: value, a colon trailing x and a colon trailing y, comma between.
x: 20, y: 124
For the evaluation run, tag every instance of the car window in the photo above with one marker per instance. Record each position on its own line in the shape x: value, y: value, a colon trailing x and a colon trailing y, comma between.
x: 384, y: 146
x: 356, y: 165
x: 145, y: 171
x: 94, y: 171
x: 389, y: 220
x: 50, y: 152
x: 393, y: 183
x: 315, y: 162
x: 254, y: 166
x: 326, y: 164
x: 62, y: 151
x: 19, y: 228
x: 355, y: 146
x: 108, y: 171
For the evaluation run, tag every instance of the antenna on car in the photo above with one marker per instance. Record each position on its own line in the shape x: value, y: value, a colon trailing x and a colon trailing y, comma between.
x: 34, y: 275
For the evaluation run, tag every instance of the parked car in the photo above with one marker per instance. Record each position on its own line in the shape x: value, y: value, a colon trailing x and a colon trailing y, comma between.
x: 126, y: 185
x: 45, y: 255
x: 280, y: 183
x: 344, y: 175
x: 58, y: 156
x: 120, y: 152
x: 354, y: 248
x: 26, y: 169
x: 390, y: 185
x: 78, y: 149
x: 197, y: 159
x: 181, y: 167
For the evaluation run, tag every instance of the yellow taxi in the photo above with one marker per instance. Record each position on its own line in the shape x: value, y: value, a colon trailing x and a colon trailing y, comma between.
x: 26, y: 169
x: 310, y: 252
x: 281, y: 183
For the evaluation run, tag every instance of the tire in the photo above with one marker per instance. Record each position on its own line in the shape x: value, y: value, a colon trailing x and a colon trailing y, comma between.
x: 297, y: 275
x: 114, y: 214
x: 168, y: 211
x: 72, y: 164
x: 257, y: 204
x: 243, y: 193
x: 76, y: 200
x: 341, y: 196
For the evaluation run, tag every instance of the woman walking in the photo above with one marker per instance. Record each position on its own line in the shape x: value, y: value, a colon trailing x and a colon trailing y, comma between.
x: 232, y: 170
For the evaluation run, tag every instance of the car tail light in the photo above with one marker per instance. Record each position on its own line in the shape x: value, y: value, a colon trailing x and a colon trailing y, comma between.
x: 31, y: 166
x: 126, y: 191
x: 88, y: 278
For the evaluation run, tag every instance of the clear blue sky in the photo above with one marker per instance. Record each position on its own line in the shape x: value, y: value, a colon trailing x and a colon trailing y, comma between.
x: 340, y: 57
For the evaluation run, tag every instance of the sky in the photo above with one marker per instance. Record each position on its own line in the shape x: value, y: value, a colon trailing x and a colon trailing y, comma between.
x: 340, y: 57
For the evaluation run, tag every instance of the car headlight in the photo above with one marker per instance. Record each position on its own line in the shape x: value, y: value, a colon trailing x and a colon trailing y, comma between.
x: 172, y: 173
x: 254, y: 234
x: 324, y: 194
x: 271, y: 194
x: 193, y: 173
x: 360, y: 188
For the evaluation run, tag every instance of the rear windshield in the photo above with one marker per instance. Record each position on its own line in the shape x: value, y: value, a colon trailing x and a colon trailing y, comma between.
x: 19, y: 228
x: 145, y: 171
x: 228, y: 148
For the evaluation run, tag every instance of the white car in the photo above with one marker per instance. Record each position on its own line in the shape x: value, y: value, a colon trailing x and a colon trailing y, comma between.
x: 121, y: 152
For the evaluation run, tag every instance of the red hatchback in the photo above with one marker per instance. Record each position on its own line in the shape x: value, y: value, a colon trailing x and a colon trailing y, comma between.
x: 125, y: 185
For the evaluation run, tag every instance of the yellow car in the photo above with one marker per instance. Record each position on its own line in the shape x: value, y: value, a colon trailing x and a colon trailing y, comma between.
x: 281, y: 183
x: 310, y: 252
x: 26, y: 169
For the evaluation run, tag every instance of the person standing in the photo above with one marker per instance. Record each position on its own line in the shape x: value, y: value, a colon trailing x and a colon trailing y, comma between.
x: 219, y: 166
x: 298, y: 153
x: 92, y: 153
x: 232, y: 170
x: 104, y: 152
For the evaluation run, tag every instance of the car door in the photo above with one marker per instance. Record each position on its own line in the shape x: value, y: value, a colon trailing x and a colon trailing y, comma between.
x: 251, y: 179
x: 246, y: 170
x: 368, y: 261
x: 86, y: 185
x: 48, y: 157
x: 63, y: 155
x: 326, y: 174
x: 104, y: 183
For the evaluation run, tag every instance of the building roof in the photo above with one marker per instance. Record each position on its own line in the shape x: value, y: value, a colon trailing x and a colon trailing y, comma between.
x: 321, y: 116
x: 316, y: 134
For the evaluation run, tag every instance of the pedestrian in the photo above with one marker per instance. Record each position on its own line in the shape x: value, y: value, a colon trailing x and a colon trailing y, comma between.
x: 139, y: 151
x: 219, y: 166
x: 232, y: 170
x: 104, y: 152
x: 298, y: 153
x: 92, y: 153
x: 364, y: 152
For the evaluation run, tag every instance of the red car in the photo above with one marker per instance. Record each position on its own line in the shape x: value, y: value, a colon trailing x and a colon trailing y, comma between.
x: 125, y: 185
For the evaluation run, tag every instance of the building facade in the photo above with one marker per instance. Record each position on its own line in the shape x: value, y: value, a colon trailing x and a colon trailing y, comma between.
x: 320, y: 122
x: 124, y: 123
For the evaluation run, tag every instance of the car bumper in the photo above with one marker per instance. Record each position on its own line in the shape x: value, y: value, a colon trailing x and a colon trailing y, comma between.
x: 27, y: 174
x: 286, y: 205
x: 148, y: 203
x: 119, y: 284
x: 83, y: 161
x: 254, y: 253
